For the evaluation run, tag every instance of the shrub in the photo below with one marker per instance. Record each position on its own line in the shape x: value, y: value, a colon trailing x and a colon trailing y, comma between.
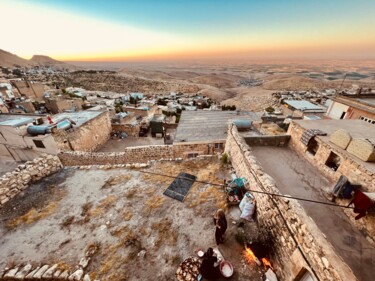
x: 224, y: 158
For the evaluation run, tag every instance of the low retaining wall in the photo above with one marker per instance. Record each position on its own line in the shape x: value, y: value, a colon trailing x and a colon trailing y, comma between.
x: 299, y: 244
x: 281, y: 140
x: 138, y: 154
x: 14, y: 182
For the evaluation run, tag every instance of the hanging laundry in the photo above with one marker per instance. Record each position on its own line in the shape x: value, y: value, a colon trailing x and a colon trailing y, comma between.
x: 361, y: 204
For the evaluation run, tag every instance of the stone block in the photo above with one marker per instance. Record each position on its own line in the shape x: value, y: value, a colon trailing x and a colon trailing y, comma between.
x: 10, y: 274
x: 49, y: 272
x: 21, y: 274
x: 40, y: 272
x: 77, y: 275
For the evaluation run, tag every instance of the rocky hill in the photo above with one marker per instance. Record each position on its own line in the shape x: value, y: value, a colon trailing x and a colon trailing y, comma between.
x: 10, y: 60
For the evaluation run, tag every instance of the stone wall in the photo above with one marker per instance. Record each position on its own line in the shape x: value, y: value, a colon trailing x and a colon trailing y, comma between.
x: 132, y: 131
x: 138, y: 154
x: 353, y: 169
x: 14, y: 182
x: 299, y: 244
x: 90, y: 136
x: 281, y: 140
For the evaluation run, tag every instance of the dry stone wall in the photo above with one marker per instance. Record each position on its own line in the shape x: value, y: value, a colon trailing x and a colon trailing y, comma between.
x: 138, y: 154
x: 299, y: 244
x: 14, y: 182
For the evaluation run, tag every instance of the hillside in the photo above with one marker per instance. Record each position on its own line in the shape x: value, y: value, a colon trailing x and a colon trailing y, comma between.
x: 10, y: 60
x: 48, y: 61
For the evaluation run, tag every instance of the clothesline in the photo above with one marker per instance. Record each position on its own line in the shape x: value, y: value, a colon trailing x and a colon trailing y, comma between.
x: 254, y: 191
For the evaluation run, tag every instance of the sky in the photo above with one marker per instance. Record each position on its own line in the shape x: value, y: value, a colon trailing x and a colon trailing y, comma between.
x: 125, y: 30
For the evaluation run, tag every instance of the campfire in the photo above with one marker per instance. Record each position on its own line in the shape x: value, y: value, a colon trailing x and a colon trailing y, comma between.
x: 257, y: 253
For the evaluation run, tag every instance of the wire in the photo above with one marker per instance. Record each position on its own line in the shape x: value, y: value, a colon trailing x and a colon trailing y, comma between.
x: 251, y: 190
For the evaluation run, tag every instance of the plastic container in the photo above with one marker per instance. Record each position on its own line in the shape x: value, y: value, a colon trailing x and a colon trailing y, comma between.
x: 226, y: 269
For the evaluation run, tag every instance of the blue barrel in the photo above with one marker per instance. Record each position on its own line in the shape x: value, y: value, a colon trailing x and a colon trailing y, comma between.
x: 38, y: 130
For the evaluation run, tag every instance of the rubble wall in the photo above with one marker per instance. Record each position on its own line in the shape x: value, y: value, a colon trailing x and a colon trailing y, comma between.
x: 90, y: 136
x: 137, y: 154
x: 14, y: 182
x: 299, y: 244
x: 349, y: 167
x: 129, y: 130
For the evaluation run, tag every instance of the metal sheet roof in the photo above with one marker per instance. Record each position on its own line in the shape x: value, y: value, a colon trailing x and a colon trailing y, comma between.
x: 303, y: 105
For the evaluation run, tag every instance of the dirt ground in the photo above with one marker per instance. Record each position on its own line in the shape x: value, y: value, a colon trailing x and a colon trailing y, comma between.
x: 140, y: 233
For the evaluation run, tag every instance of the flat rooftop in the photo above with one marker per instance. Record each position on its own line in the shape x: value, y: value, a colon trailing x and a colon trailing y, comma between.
x: 355, y: 127
x: 202, y: 125
x: 16, y: 120
x: 79, y: 117
x: 368, y: 101
x: 297, y: 177
x: 304, y: 105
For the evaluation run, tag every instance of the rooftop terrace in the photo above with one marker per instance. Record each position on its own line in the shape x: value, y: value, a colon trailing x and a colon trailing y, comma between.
x: 201, y: 125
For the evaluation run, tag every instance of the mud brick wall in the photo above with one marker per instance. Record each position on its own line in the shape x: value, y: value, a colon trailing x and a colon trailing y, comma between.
x: 349, y: 167
x: 14, y: 182
x: 138, y: 154
x: 272, y: 211
x: 90, y: 136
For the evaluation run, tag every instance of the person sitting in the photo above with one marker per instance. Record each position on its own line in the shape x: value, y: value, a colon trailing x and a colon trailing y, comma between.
x: 207, y: 268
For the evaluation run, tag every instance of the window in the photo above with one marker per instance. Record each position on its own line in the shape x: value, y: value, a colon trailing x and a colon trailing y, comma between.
x: 217, y: 145
x: 192, y: 155
x: 39, y: 143
x: 312, y: 146
x: 333, y: 161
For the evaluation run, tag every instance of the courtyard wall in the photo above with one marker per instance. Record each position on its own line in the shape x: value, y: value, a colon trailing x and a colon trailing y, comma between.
x: 299, y: 244
x: 353, y: 169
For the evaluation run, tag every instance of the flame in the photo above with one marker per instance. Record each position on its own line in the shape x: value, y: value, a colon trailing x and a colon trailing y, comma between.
x: 266, y: 263
x: 250, y: 256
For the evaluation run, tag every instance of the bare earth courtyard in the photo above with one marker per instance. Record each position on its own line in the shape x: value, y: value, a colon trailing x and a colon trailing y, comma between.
x: 137, y: 232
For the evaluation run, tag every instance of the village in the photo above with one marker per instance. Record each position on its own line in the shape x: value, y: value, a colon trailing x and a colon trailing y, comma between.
x: 96, y: 183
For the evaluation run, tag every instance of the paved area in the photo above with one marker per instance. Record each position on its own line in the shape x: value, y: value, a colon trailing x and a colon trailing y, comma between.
x: 204, y: 125
x: 295, y: 176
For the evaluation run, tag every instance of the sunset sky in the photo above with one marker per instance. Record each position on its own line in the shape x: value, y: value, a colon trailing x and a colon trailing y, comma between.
x: 175, y: 29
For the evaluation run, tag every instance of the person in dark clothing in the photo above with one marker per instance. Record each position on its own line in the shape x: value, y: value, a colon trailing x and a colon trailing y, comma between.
x: 207, y: 268
x: 221, y: 226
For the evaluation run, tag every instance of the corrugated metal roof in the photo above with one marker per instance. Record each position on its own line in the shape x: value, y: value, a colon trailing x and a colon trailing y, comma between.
x: 16, y: 122
x: 302, y: 105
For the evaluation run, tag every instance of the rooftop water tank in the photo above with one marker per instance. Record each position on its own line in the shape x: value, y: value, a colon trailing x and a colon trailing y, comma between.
x: 243, y: 124
x: 38, y: 130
